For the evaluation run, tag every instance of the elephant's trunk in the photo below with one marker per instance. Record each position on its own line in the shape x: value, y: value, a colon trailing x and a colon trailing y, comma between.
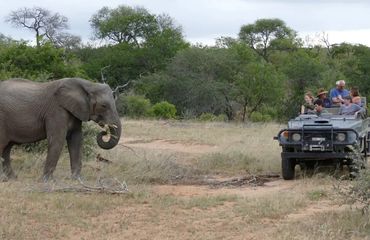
x: 109, y: 138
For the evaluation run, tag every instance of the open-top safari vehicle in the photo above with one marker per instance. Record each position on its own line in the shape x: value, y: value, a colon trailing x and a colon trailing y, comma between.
x: 330, y: 138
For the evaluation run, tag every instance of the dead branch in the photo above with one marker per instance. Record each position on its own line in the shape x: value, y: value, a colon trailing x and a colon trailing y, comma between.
x: 105, y: 185
x: 99, y: 158
x: 251, y: 180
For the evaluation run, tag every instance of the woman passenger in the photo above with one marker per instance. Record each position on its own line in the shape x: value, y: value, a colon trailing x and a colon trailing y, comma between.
x: 356, y: 99
x: 308, y: 105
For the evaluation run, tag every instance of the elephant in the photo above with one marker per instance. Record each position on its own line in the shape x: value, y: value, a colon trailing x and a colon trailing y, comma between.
x: 32, y: 111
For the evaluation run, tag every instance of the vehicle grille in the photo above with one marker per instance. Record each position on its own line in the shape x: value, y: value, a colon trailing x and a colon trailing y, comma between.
x: 313, y: 141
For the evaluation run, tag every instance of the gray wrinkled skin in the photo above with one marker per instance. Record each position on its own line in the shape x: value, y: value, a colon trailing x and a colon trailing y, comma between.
x: 31, y: 111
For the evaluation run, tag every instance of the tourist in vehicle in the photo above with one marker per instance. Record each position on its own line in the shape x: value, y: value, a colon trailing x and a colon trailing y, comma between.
x: 356, y: 99
x: 339, y: 92
x: 319, y: 107
x: 322, y: 95
x: 308, y: 105
x: 348, y: 108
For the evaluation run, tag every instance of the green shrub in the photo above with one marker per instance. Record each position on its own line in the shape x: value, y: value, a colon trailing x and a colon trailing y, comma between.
x: 209, y: 117
x: 36, y: 147
x: 164, y: 110
x: 259, y: 117
x: 271, y: 111
x: 46, y: 61
x: 89, y: 144
x: 357, y: 192
x: 134, y: 106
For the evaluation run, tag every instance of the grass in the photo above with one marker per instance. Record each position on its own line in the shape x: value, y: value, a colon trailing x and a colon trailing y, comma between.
x: 279, y: 211
x: 347, y: 224
x: 316, y: 195
x: 252, y: 209
x: 238, y: 150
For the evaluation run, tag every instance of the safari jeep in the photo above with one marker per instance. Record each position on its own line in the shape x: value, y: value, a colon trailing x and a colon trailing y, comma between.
x: 326, y: 139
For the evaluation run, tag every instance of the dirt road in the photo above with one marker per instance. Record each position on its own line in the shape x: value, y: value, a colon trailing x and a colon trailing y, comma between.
x: 246, y: 211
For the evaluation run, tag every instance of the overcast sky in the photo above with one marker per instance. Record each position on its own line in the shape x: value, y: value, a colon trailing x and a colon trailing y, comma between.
x: 205, y: 20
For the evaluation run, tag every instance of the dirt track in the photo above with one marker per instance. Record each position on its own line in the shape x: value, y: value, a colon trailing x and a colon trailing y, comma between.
x: 273, y: 186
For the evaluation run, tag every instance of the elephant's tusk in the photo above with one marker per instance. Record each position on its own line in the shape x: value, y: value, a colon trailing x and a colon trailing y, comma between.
x: 114, y: 136
x: 113, y: 126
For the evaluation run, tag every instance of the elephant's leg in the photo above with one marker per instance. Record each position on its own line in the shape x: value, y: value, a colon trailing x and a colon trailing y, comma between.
x: 56, y: 135
x: 54, y: 150
x: 74, y: 142
x: 7, y: 168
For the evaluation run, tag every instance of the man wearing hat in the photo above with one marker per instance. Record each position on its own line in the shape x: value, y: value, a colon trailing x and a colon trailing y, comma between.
x: 339, y: 92
x: 322, y: 95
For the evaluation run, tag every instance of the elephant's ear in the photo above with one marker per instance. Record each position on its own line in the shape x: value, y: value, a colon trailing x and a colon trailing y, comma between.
x: 74, y: 99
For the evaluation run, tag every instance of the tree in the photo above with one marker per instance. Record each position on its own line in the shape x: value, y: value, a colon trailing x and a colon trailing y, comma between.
x: 123, y: 24
x: 163, y: 44
x: 257, y: 85
x: 39, y: 63
x: 302, y: 72
x: 66, y: 40
x: 5, y: 40
x: 129, y: 58
x: 196, y: 81
x: 42, y: 22
x: 353, y: 61
x: 267, y: 33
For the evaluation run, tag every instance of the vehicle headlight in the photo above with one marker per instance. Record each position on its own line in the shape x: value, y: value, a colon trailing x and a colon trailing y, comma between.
x: 296, y: 137
x: 341, y: 137
x: 285, y: 135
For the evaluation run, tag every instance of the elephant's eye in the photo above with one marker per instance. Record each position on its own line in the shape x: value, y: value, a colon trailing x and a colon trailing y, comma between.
x: 104, y: 106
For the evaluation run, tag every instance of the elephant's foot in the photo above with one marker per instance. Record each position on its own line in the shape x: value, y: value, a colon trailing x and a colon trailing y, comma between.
x: 76, y: 177
x: 47, y: 178
x: 9, y: 173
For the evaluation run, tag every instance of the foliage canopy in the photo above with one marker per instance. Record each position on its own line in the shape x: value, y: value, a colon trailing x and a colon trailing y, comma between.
x: 262, y: 74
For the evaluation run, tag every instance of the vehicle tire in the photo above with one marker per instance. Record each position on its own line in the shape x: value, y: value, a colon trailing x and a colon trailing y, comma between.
x: 288, y: 168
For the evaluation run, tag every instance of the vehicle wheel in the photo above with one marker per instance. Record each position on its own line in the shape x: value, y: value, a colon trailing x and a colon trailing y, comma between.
x: 288, y: 168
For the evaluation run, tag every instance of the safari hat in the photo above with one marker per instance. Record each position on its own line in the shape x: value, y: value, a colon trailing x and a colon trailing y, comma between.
x: 321, y: 91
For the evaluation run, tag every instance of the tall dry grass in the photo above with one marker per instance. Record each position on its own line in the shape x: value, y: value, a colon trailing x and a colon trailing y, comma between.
x: 27, y: 211
x: 230, y: 149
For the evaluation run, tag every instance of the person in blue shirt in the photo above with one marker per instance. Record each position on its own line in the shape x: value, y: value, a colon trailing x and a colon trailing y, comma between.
x: 339, y: 92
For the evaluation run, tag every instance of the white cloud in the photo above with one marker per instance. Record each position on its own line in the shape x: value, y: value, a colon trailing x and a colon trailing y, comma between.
x: 205, y: 20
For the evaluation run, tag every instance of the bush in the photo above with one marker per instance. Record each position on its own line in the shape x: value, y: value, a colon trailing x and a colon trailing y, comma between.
x: 259, y: 117
x: 20, y: 60
x: 271, y: 111
x: 209, y: 117
x: 36, y: 147
x: 89, y: 144
x: 357, y: 192
x: 134, y: 106
x: 164, y: 110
